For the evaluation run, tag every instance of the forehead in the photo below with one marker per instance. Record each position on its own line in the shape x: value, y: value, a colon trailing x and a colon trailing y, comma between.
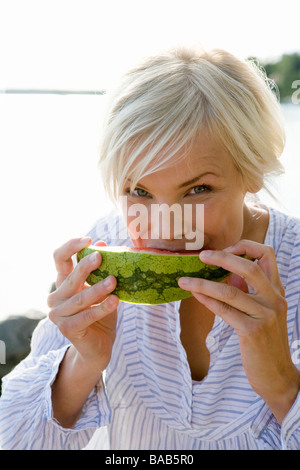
x: 205, y: 149
x: 205, y: 154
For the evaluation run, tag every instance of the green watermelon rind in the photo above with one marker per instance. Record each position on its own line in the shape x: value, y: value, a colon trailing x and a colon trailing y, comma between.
x: 149, y: 278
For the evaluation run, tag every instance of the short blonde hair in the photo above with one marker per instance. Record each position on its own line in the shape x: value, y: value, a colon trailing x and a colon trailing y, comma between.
x: 161, y: 105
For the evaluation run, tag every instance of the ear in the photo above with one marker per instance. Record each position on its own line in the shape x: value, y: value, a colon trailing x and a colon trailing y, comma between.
x: 254, y: 186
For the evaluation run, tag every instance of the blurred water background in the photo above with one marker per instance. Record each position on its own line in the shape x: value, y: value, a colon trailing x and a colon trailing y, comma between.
x: 50, y: 188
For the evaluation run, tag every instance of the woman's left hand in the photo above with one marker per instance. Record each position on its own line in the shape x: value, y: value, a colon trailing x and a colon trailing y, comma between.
x: 258, y: 316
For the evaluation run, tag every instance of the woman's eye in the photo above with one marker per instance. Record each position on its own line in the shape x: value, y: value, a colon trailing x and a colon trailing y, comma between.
x: 199, y: 189
x: 140, y: 192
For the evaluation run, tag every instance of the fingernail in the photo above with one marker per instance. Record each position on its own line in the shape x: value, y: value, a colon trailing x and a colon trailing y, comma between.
x: 94, y: 257
x: 111, y: 301
x: 205, y: 254
x: 184, y: 281
x: 108, y: 282
x: 85, y: 240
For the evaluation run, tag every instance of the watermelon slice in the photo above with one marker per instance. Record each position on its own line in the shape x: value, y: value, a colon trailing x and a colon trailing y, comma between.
x: 149, y: 276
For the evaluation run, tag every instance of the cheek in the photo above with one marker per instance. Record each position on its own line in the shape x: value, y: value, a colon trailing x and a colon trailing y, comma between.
x: 223, y: 223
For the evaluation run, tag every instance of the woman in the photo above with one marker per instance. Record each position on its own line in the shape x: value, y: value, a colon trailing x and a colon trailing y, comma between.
x: 214, y: 371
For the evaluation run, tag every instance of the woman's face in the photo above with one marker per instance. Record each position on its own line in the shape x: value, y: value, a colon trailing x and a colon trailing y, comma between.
x: 206, y: 176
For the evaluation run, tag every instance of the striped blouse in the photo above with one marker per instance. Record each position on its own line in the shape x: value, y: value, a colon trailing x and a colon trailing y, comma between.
x: 147, y: 399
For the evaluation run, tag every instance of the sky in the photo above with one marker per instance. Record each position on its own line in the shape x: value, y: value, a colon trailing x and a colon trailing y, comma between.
x: 89, y: 43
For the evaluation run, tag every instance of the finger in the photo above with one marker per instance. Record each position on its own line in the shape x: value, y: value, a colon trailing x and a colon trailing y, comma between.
x: 237, y: 281
x: 98, y: 312
x: 76, y: 280
x: 249, y: 270
x: 239, y: 321
x: 100, y: 243
x: 224, y: 293
x: 63, y: 257
x: 71, y: 326
x: 84, y: 299
x: 265, y: 256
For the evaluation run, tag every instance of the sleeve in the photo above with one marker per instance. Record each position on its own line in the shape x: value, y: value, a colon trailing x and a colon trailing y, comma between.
x: 26, y: 418
x: 290, y: 428
x: 266, y: 427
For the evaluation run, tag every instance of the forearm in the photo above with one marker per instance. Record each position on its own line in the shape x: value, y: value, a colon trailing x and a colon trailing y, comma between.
x: 74, y: 382
x: 281, y: 402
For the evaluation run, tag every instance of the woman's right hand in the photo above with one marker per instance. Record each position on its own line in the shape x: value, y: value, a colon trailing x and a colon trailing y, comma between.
x: 86, y: 315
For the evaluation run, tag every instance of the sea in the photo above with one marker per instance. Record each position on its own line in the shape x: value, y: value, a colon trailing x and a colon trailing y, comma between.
x: 51, y: 191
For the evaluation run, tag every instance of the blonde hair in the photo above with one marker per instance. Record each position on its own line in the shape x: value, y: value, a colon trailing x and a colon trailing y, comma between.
x: 162, y: 104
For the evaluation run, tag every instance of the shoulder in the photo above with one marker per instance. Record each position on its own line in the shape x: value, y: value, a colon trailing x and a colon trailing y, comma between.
x: 284, y: 236
x: 284, y: 231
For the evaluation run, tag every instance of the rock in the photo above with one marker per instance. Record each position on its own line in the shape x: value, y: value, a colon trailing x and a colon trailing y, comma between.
x: 15, y: 336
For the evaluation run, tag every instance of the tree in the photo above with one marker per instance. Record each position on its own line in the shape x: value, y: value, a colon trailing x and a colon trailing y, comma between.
x: 284, y: 72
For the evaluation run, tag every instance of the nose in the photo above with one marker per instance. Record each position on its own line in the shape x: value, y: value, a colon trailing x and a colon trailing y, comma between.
x: 166, y: 221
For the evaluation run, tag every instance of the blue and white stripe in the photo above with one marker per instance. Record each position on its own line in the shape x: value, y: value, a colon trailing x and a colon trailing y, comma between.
x: 148, y: 399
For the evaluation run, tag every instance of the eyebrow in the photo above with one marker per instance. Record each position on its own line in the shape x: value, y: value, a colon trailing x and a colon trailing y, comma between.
x: 193, y: 180
x: 186, y: 183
